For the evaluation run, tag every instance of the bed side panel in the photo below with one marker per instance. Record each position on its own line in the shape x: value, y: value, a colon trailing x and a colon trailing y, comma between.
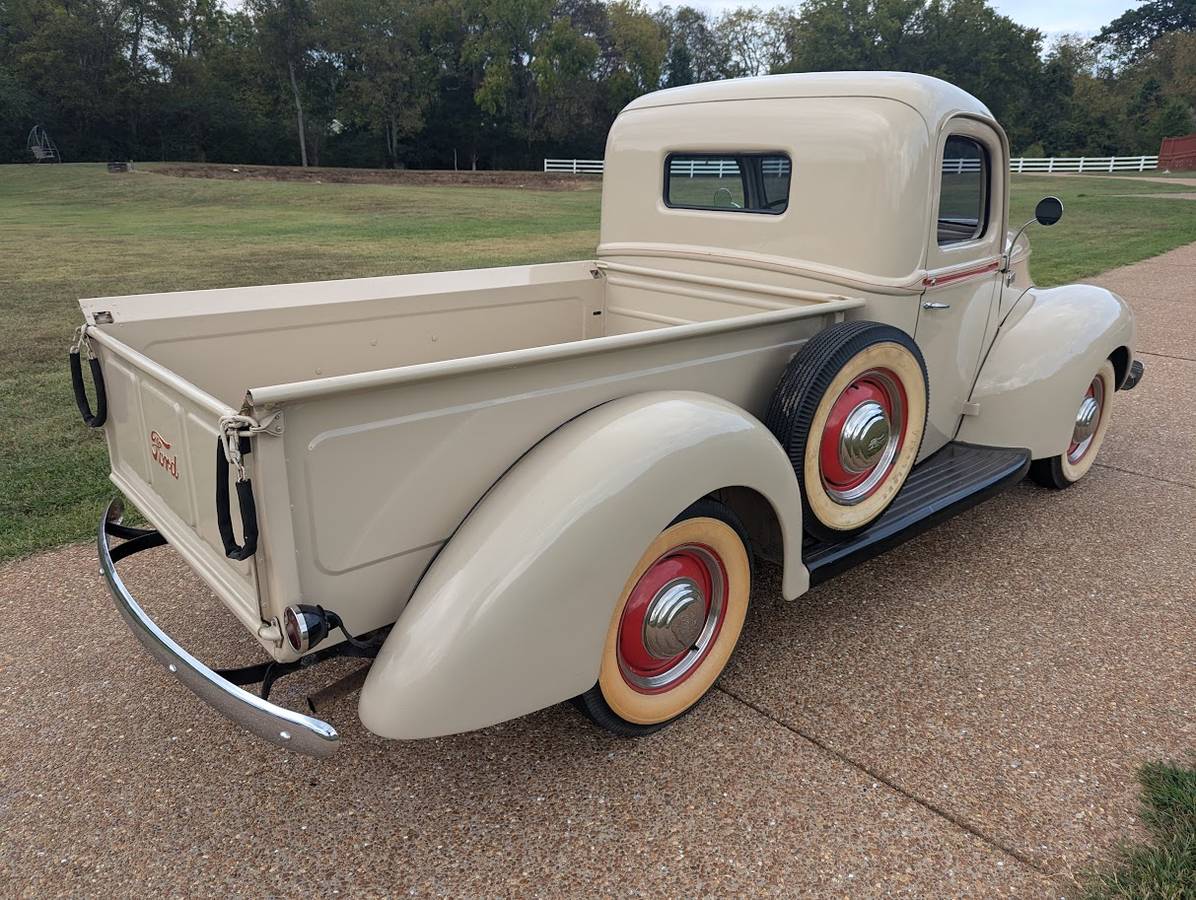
x: 381, y: 478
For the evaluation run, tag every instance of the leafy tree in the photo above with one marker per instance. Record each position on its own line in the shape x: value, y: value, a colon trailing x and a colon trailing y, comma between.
x: 695, y: 53
x: 1164, y: 78
x: 832, y: 35
x: 502, y: 83
x: 1131, y: 34
x: 639, y: 50
x: 385, y: 49
x: 501, y: 43
x: 183, y: 37
x: 72, y: 54
x: 752, y: 42
x: 286, y: 35
x: 561, y: 67
x: 1173, y: 120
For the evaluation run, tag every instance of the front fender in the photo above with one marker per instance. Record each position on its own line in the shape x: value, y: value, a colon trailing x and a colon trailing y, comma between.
x: 512, y: 615
x: 1045, y: 354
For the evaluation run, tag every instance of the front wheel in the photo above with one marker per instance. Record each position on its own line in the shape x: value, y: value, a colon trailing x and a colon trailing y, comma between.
x: 1088, y: 433
x: 675, y: 625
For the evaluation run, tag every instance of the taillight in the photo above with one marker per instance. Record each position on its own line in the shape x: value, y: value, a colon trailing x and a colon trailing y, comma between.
x: 305, y: 626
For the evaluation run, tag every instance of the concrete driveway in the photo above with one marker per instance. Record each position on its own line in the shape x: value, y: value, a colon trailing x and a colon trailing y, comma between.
x: 962, y: 716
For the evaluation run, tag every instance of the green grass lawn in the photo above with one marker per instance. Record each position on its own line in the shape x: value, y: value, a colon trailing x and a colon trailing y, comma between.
x: 75, y: 231
x: 1101, y: 228
x: 1164, y: 869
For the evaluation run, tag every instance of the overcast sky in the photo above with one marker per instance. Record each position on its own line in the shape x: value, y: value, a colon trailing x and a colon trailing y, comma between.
x: 1049, y: 16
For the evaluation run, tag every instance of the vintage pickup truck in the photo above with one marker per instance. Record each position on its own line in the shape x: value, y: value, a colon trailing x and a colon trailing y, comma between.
x: 807, y: 334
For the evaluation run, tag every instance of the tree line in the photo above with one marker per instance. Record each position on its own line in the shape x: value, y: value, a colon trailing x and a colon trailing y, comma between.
x: 503, y: 83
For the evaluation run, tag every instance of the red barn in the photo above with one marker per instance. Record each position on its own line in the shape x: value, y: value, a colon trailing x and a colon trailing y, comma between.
x: 1178, y: 153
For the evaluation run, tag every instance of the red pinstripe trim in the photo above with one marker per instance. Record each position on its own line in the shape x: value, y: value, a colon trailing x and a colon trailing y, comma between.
x: 951, y: 278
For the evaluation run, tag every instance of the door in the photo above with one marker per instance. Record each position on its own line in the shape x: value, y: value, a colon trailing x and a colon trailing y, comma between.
x: 957, y: 316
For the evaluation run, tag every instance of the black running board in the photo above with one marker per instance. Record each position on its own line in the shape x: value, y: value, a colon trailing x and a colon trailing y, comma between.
x: 954, y: 479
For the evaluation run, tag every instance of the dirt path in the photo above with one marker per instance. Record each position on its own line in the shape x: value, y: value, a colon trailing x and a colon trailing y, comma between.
x: 962, y: 716
x: 1189, y: 182
x: 1169, y: 196
x: 542, y: 181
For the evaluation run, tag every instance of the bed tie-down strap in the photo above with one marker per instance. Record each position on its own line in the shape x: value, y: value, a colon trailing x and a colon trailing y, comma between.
x: 96, y: 418
x: 232, y: 443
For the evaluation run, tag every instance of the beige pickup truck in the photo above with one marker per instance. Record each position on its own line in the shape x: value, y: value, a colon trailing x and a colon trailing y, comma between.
x: 808, y: 333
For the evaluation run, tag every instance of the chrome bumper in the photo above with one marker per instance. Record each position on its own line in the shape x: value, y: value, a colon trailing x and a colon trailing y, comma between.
x: 280, y: 726
x: 1137, y: 370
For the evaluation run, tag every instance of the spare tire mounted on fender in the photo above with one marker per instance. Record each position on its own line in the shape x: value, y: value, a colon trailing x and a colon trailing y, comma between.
x: 850, y: 410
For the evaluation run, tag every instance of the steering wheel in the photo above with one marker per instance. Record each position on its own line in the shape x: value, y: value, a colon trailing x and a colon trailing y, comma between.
x: 730, y: 198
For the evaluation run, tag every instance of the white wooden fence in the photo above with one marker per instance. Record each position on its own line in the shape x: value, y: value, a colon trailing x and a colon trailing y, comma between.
x: 1085, y: 164
x: 721, y: 167
x: 576, y: 166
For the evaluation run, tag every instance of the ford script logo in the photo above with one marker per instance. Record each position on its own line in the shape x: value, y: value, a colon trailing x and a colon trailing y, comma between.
x: 158, y: 447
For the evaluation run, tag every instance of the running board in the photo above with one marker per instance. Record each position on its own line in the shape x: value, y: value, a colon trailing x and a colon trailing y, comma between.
x: 954, y: 479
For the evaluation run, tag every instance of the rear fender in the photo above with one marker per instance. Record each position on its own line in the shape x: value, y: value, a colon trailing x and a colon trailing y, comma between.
x: 513, y: 614
x: 1044, y: 356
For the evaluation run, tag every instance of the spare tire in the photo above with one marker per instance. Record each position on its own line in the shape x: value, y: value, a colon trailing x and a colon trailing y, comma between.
x: 850, y: 410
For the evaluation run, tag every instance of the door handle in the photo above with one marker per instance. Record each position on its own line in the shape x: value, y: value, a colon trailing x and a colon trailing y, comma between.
x: 936, y: 305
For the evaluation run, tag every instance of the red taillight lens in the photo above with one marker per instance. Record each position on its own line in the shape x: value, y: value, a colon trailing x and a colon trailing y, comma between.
x: 305, y: 626
x: 296, y: 636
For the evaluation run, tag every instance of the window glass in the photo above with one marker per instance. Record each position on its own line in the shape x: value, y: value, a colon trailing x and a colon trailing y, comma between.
x: 963, y: 198
x: 733, y: 182
x: 774, y: 171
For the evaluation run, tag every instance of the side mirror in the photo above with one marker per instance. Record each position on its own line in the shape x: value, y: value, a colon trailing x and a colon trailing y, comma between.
x: 1048, y: 211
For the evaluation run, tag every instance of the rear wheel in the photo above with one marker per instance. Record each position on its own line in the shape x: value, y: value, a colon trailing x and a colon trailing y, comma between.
x: 850, y: 410
x: 1088, y: 433
x: 676, y: 623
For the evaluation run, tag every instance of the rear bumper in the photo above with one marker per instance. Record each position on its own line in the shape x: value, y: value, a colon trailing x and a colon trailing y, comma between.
x: 282, y: 727
x: 1133, y: 376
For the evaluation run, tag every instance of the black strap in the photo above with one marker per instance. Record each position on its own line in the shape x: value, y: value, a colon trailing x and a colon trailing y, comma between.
x: 96, y: 419
x: 270, y: 671
x: 224, y: 518
x: 125, y: 532
x: 142, y: 542
x: 243, y: 675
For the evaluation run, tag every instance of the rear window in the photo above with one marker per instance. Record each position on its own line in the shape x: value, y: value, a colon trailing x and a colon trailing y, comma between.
x: 733, y: 182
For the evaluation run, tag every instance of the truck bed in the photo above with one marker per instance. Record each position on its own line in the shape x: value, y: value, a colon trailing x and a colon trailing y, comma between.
x: 396, y: 402
x: 227, y: 341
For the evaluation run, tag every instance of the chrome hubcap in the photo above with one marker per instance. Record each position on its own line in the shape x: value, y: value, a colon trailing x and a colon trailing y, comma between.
x: 675, y: 619
x: 864, y: 438
x: 1086, y: 420
x: 681, y: 618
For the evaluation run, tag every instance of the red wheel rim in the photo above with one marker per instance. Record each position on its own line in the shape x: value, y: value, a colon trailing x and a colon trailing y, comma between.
x: 862, y: 436
x: 672, y: 618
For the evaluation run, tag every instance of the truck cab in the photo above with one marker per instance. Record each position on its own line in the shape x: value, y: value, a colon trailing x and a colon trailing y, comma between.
x: 897, y: 191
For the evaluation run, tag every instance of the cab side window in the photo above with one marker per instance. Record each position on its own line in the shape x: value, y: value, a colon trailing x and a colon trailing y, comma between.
x: 963, y: 194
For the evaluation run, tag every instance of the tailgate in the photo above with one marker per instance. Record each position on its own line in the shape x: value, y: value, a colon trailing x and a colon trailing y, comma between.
x: 162, y: 441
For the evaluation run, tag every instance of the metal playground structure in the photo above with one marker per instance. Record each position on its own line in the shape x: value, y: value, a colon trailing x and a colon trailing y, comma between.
x: 41, y: 146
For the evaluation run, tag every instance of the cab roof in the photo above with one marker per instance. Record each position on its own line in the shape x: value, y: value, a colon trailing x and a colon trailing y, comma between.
x: 933, y: 99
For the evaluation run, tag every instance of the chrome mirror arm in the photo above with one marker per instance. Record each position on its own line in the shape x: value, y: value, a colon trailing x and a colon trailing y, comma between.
x: 1007, y: 256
